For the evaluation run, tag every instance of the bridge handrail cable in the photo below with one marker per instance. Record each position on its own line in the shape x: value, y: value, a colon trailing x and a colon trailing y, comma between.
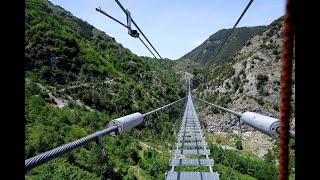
x: 125, y: 123
x: 267, y: 125
x: 221, y: 108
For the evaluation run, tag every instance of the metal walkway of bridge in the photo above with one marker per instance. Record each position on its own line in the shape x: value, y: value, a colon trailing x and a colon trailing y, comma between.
x: 192, y: 141
x: 190, y: 138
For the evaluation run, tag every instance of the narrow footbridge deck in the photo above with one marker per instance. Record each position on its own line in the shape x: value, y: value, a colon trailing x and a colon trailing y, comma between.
x: 191, y: 140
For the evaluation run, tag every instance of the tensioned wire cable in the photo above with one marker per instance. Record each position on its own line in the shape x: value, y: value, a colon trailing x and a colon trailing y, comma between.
x: 117, y: 1
x: 102, y: 12
x: 225, y: 40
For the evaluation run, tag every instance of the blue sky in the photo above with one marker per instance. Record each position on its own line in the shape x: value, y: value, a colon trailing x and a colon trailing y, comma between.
x: 174, y: 27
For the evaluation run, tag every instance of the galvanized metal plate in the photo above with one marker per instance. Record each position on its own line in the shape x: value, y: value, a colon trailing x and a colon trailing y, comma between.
x: 190, y: 130
x: 189, y: 134
x: 191, y: 162
x: 191, y: 152
x: 192, y: 176
x: 190, y: 138
x: 192, y: 144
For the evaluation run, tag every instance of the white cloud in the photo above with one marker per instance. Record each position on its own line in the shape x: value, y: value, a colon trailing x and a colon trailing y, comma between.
x: 198, y: 42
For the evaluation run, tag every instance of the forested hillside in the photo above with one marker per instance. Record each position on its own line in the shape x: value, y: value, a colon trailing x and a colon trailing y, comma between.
x: 77, y: 78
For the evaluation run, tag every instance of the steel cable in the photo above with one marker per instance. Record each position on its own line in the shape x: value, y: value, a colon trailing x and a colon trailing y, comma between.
x: 123, y: 9
x: 225, y: 40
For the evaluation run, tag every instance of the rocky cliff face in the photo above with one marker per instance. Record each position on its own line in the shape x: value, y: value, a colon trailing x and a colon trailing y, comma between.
x: 250, y: 82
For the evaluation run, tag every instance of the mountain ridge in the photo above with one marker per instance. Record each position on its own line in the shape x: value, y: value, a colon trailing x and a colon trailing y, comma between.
x: 205, y: 51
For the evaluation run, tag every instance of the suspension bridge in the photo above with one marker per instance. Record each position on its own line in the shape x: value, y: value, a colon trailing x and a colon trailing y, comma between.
x: 191, y: 138
x: 192, y: 141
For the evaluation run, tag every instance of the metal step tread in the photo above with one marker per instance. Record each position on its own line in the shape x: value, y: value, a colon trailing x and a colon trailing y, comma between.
x: 190, y: 123
x: 192, y: 144
x: 190, y: 130
x: 192, y: 176
x: 191, y: 151
x: 191, y: 162
x: 190, y: 134
x: 191, y: 126
x: 190, y: 138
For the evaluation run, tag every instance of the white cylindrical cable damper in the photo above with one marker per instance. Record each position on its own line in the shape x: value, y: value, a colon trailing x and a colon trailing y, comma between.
x: 265, y: 124
x: 126, y: 123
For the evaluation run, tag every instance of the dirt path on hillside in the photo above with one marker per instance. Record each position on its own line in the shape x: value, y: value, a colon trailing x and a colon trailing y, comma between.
x: 145, y: 146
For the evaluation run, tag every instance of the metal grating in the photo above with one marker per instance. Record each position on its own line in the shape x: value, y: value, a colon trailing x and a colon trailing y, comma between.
x: 192, y: 176
x: 191, y: 123
x: 192, y: 144
x: 191, y: 162
x: 191, y: 138
x: 191, y: 152
x: 191, y: 126
x: 190, y: 130
x: 190, y: 134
